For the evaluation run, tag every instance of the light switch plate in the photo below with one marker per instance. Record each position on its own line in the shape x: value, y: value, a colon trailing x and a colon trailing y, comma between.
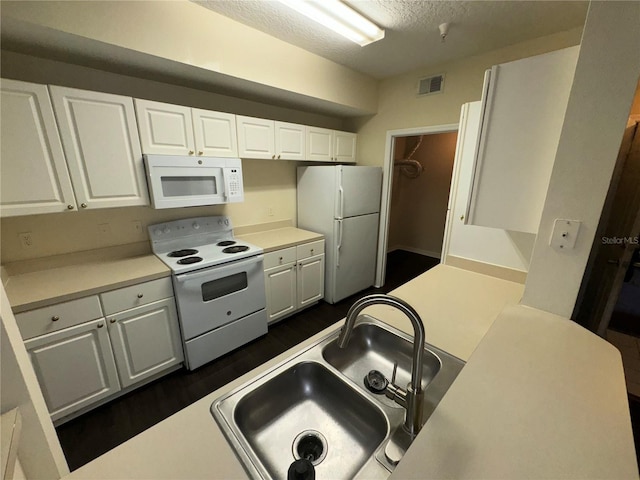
x: 564, y: 234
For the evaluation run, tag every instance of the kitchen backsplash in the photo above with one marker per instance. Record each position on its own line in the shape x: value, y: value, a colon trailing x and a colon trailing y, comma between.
x: 270, y: 196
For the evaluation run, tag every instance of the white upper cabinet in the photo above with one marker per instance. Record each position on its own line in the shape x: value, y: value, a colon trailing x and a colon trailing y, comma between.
x: 524, y: 103
x: 319, y: 144
x: 165, y: 129
x: 33, y: 174
x: 324, y: 145
x: 102, y: 147
x: 215, y: 133
x: 256, y: 138
x: 290, y: 141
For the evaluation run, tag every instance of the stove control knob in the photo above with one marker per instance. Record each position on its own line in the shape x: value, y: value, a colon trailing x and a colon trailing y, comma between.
x: 219, y: 222
x: 226, y: 222
x: 166, y: 230
x: 196, y: 225
x: 157, y: 231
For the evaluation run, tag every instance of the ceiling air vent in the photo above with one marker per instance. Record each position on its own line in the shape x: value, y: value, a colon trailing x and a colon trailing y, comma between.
x: 431, y: 85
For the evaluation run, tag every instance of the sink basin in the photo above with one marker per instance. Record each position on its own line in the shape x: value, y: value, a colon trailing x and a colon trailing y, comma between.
x: 314, y: 405
x: 373, y: 347
x: 340, y: 427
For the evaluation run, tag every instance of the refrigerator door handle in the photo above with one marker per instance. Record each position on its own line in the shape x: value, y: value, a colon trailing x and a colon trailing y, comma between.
x: 339, y: 244
x: 341, y: 193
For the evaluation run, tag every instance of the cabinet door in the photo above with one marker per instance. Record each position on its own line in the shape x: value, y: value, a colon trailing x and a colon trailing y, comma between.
x: 280, y: 285
x: 290, y: 141
x: 256, y: 137
x: 165, y: 129
x: 146, y: 340
x: 215, y: 133
x: 100, y: 139
x: 310, y: 280
x: 344, y: 147
x: 524, y: 103
x: 319, y: 144
x: 34, y: 177
x: 74, y: 366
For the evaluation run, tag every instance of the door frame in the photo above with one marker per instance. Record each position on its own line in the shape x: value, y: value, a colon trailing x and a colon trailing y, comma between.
x: 387, y: 181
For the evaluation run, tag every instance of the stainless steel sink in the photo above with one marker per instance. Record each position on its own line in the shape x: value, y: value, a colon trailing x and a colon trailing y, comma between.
x: 314, y: 405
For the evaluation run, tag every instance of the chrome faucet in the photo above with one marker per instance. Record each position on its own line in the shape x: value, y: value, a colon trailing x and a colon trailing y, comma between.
x: 411, y: 398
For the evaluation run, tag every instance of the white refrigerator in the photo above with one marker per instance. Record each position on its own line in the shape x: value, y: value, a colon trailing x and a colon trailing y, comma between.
x: 343, y: 203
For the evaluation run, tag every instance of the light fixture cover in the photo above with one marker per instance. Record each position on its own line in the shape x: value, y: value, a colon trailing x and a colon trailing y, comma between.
x: 340, y: 18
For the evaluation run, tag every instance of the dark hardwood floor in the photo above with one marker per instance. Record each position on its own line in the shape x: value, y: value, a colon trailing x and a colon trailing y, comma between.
x: 98, y: 431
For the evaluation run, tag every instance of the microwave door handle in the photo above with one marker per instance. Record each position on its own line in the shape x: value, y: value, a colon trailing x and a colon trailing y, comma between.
x: 218, y: 271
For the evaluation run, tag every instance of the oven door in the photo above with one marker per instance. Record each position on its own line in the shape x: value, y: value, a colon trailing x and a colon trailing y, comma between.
x: 215, y: 296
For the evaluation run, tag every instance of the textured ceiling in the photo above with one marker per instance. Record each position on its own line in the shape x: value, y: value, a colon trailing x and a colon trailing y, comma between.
x: 412, y: 39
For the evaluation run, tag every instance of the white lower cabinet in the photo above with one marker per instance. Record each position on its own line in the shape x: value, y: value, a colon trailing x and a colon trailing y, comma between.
x: 74, y: 366
x: 145, y: 341
x: 89, y: 349
x: 294, y: 279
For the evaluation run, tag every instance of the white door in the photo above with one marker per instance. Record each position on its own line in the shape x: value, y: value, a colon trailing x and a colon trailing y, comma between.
x: 145, y: 340
x: 165, y: 129
x: 100, y: 139
x: 344, y: 147
x: 280, y: 286
x: 310, y: 280
x: 319, y: 144
x: 359, y: 190
x: 34, y: 177
x: 256, y: 137
x: 74, y: 366
x: 215, y: 133
x: 354, y: 258
x: 290, y: 141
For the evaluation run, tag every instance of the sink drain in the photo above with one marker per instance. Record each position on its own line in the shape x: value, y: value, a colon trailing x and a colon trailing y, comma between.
x: 310, y: 445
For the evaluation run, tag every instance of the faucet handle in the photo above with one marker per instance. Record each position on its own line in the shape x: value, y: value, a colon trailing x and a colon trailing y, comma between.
x: 395, y: 370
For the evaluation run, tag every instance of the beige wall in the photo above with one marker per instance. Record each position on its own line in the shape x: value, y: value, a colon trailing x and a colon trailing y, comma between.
x: 399, y: 107
x: 268, y: 185
x: 186, y: 35
x: 419, y: 205
x: 603, y: 88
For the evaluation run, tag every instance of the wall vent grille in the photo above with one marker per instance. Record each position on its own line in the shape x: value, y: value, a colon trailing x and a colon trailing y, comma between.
x: 431, y: 85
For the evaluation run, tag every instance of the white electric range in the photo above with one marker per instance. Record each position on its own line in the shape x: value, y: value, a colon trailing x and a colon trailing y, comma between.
x: 218, y: 282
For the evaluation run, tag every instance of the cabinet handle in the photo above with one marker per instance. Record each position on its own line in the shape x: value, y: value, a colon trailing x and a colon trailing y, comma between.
x: 312, y: 251
x: 140, y: 295
x: 461, y: 217
x: 200, y: 152
x: 100, y: 325
x: 113, y: 320
x: 55, y: 318
x: 83, y: 205
x: 273, y: 157
x: 278, y: 157
x: 191, y: 152
x: 70, y: 207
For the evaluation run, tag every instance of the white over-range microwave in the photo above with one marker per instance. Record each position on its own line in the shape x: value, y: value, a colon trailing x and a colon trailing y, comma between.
x: 180, y: 181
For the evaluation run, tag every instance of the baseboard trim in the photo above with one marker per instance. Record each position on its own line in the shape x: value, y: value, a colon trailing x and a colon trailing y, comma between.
x: 498, y: 271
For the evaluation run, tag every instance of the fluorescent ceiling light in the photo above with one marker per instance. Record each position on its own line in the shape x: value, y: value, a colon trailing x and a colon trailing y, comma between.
x: 340, y: 18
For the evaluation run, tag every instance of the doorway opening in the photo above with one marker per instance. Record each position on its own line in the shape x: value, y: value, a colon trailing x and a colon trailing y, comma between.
x: 415, y: 192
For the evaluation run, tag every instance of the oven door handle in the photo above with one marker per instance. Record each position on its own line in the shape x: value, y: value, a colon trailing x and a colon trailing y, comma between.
x: 216, y: 272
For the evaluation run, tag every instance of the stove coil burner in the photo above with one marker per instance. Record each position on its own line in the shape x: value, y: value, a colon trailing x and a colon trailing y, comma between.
x: 189, y: 260
x: 183, y: 253
x: 236, y: 249
x: 225, y: 243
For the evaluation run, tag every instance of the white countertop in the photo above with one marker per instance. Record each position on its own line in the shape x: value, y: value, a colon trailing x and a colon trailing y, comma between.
x: 540, y: 397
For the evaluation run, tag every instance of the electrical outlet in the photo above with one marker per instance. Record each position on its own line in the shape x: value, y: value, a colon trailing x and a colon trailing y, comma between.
x: 26, y: 240
x: 270, y: 211
x: 137, y: 229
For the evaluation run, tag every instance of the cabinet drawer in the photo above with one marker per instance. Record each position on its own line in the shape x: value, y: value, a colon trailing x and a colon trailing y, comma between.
x: 279, y: 257
x: 310, y: 249
x: 56, y: 317
x: 136, y: 295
